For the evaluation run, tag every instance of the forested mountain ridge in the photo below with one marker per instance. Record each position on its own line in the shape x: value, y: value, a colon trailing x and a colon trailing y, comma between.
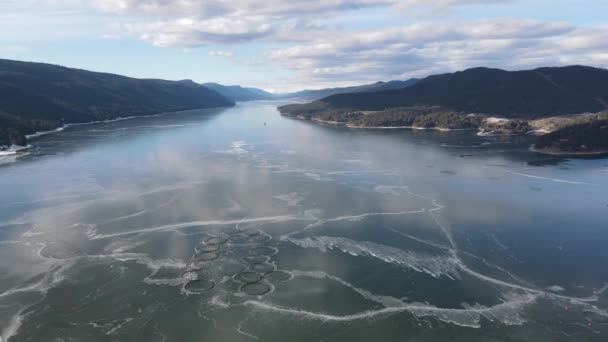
x: 37, y: 96
x: 238, y: 93
x: 312, y: 95
x: 469, y: 99
x: 517, y: 94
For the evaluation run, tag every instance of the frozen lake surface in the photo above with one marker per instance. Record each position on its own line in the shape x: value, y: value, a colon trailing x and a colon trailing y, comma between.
x: 240, y: 225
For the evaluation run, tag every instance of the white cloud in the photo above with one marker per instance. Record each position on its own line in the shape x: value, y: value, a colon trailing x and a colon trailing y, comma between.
x: 420, y: 49
x: 588, y: 38
x: 188, y: 32
x: 213, y: 8
x: 435, y: 5
x: 192, y: 23
x: 227, y: 54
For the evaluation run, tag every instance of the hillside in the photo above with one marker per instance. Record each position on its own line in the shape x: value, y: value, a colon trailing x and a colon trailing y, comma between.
x: 312, y: 95
x: 517, y: 94
x: 36, y: 96
x: 580, y: 135
x: 238, y: 93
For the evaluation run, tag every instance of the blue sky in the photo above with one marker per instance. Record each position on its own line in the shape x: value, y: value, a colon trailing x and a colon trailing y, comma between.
x: 289, y: 45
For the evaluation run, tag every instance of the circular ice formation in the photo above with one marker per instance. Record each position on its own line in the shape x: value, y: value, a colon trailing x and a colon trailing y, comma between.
x: 263, y: 250
x: 249, y: 277
x: 278, y: 276
x: 208, y: 248
x: 196, y: 274
x: 196, y: 266
x: 263, y: 268
x: 207, y: 256
x: 256, y: 259
x: 191, y: 275
x: 199, y: 285
x: 216, y: 240
x: 56, y: 251
x: 238, y: 238
x: 255, y: 289
x: 260, y: 238
x: 250, y: 232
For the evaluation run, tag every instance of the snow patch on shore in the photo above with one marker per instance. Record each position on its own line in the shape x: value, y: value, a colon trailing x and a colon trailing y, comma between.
x: 493, y: 120
x: 11, y: 153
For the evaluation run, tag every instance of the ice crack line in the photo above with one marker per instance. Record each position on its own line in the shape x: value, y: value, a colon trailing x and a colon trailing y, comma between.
x: 539, y: 177
x: 462, y: 266
x: 200, y: 223
x: 506, y: 312
x: 349, y: 218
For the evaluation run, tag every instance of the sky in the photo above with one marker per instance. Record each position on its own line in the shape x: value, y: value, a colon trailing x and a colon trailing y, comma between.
x: 284, y: 46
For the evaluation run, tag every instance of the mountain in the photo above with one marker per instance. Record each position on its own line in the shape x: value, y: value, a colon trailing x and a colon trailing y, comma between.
x: 312, y: 95
x: 238, y: 93
x: 520, y: 94
x: 468, y: 99
x: 36, y: 97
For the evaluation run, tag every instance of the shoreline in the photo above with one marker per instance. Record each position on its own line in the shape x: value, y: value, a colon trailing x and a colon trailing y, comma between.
x: 480, y: 133
x: 15, y: 150
x: 349, y: 125
x: 12, y: 154
x: 412, y: 128
x: 42, y: 133
x: 64, y: 126
x: 323, y: 121
x: 12, y: 150
x: 483, y: 131
x: 568, y: 153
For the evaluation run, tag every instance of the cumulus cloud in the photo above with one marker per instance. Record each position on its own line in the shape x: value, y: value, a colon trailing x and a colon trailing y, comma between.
x: 208, y: 8
x: 188, y: 32
x: 436, y: 5
x: 420, y: 49
x: 191, y: 23
x: 211, y: 8
x: 412, y: 36
x: 587, y: 38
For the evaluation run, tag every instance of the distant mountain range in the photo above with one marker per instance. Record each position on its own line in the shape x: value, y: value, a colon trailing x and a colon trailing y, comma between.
x: 312, y: 95
x: 524, y: 94
x: 39, y: 97
x: 36, y: 97
x: 238, y: 93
